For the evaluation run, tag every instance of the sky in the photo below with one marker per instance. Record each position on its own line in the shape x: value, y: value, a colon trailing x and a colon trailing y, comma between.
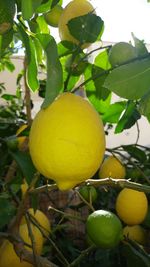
x: 121, y: 17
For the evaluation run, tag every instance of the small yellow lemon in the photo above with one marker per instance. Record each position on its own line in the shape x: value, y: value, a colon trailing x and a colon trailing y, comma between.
x: 41, y: 218
x: 8, y: 256
x: 136, y: 233
x: 104, y: 228
x: 131, y: 206
x: 74, y: 9
x: 112, y: 167
x: 67, y: 141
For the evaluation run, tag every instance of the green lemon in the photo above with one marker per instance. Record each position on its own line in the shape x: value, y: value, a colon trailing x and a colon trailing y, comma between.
x: 52, y: 17
x: 121, y: 52
x: 88, y: 192
x: 104, y: 228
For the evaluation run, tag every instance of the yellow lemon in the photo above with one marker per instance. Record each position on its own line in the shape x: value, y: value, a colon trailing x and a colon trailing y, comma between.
x: 112, y: 167
x: 74, y: 9
x: 67, y: 141
x: 136, y: 233
x: 8, y: 256
x: 24, y: 187
x: 131, y: 206
x: 52, y: 17
x: 41, y: 218
x: 104, y: 228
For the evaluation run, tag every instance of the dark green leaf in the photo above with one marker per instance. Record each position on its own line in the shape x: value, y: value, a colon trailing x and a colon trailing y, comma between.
x: 130, y: 81
x: 114, y: 111
x: 7, y: 211
x: 135, y: 152
x: 101, y: 92
x: 25, y: 163
x: 54, y: 81
x: 86, y: 28
x: 129, y: 117
x: 32, y: 71
x: 8, y: 97
x: 144, y: 105
x: 65, y: 48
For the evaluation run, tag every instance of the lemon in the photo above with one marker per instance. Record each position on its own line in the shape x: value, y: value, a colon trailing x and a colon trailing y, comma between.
x: 7, y: 13
x: 21, y: 139
x: 24, y: 187
x: 52, y: 17
x: 121, y: 52
x: 67, y: 141
x: 104, y: 228
x: 88, y: 192
x: 136, y: 233
x: 8, y: 256
x: 112, y: 167
x: 74, y: 9
x: 41, y: 218
x: 131, y: 206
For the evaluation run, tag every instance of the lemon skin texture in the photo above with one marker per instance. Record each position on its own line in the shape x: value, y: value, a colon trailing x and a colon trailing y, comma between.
x: 136, y: 233
x: 8, y: 256
x: 112, y: 167
x: 67, y: 141
x: 131, y: 206
x: 104, y: 228
x: 74, y: 9
x: 41, y: 218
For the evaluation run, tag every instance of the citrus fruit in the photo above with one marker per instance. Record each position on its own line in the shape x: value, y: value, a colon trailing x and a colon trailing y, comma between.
x: 21, y: 139
x: 75, y: 8
x: 112, y: 167
x: 7, y: 13
x: 52, y: 17
x: 136, y: 233
x: 8, y: 256
x: 131, y: 206
x: 41, y: 218
x: 88, y: 192
x: 121, y: 52
x: 70, y: 144
x: 104, y: 228
x: 78, y: 66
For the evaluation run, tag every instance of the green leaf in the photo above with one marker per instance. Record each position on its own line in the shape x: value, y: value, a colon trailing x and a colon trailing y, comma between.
x: 102, y: 61
x: 27, y: 9
x: 44, y: 7
x: 114, y: 111
x: 54, y: 81
x: 129, y: 117
x: 139, y: 46
x: 101, y: 92
x: 31, y: 60
x: 135, y: 257
x: 135, y: 152
x: 130, y: 81
x: 43, y: 27
x: 25, y: 163
x: 7, y: 210
x: 144, y: 106
x: 86, y: 28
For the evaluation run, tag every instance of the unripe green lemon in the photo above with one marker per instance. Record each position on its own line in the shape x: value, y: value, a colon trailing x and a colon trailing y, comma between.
x: 52, y: 17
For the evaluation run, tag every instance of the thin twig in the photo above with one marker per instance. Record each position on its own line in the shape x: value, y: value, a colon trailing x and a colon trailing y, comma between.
x: 83, y: 254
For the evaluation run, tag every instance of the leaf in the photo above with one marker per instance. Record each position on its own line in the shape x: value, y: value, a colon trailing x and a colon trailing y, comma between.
x: 86, y: 28
x: 114, y: 111
x: 31, y: 60
x: 101, y: 92
x: 44, y: 7
x: 130, y: 81
x: 135, y: 152
x: 7, y: 211
x: 135, y: 257
x: 54, y: 81
x: 43, y: 27
x: 25, y: 163
x: 129, y: 117
x: 144, y: 105
x: 102, y: 61
x: 139, y: 46
x: 27, y: 9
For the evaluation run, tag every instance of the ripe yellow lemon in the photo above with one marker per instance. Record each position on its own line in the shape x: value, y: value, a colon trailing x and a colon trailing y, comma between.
x: 8, y: 256
x: 52, y: 17
x: 41, y: 218
x: 112, y: 167
x: 67, y: 141
x: 104, y: 228
x: 131, y: 206
x: 74, y: 9
x: 136, y: 233
x: 121, y: 52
